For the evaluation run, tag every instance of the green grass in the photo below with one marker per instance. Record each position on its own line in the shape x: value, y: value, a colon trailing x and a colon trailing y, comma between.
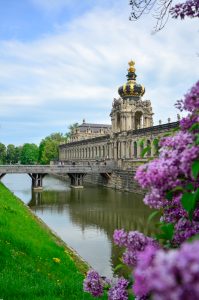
x: 27, y: 249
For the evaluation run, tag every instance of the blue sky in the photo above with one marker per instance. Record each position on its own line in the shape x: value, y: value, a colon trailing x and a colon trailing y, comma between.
x: 63, y: 60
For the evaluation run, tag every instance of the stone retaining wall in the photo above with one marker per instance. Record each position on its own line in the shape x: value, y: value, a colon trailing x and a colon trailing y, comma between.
x: 119, y: 180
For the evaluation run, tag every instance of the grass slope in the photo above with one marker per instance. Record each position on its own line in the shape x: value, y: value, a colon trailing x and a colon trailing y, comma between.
x: 33, y: 263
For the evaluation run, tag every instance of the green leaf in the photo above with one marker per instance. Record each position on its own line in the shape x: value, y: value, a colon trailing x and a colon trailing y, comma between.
x: 145, y: 150
x: 156, y: 142
x: 193, y: 238
x: 189, y: 187
x: 152, y: 215
x: 168, y: 231
x: 188, y: 203
x: 196, y: 195
x: 195, y: 169
x: 197, y: 139
x: 169, y: 195
x: 118, y: 267
x: 195, y: 126
x: 167, y: 134
x: 175, y: 129
x: 141, y: 142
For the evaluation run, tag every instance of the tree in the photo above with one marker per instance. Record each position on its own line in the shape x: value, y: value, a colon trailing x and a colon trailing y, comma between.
x: 49, y: 147
x: 162, y: 9
x: 11, y: 154
x: 72, y: 129
x: 2, y: 153
x: 18, y: 150
x: 29, y: 154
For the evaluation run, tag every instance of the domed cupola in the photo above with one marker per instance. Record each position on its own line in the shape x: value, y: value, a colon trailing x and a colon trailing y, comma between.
x: 131, y: 89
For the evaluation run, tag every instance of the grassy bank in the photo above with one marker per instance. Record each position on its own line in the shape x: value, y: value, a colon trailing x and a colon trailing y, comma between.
x: 34, y: 264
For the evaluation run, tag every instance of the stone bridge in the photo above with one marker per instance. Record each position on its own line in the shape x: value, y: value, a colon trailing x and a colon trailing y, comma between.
x: 37, y: 172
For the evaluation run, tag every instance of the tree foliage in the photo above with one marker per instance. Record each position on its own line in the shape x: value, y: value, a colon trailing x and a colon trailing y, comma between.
x: 49, y: 147
x: 72, y: 129
x: 2, y: 153
x: 29, y: 154
x: 11, y: 154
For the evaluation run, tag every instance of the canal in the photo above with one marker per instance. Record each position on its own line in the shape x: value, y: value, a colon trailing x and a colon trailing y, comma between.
x: 84, y: 218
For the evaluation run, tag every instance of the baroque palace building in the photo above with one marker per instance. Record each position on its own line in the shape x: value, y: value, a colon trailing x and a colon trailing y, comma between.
x: 131, y: 122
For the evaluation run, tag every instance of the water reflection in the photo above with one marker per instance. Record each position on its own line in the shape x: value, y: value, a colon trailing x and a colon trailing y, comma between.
x: 86, y: 218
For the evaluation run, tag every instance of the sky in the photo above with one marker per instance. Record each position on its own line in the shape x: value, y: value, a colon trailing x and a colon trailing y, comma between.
x: 62, y: 61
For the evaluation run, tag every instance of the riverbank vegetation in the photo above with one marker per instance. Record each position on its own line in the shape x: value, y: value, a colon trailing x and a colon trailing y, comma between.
x: 34, y: 263
x: 30, y: 153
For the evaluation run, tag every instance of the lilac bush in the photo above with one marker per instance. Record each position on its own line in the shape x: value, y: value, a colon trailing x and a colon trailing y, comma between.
x: 172, y: 171
x: 165, y: 268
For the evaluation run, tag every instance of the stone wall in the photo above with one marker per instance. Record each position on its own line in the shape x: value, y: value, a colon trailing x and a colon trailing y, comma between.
x: 119, y: 180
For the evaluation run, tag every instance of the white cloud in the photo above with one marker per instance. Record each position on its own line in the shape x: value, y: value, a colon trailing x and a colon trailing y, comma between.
x: 84, y: 62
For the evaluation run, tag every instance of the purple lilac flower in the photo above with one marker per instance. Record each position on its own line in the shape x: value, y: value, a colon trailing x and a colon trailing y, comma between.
x: 93, y: 283
x: 134, y: 242
x: 145, y: 259
x: 190, y: 9
x: 168, y: 275
x: 188, y: 121
x: 119, y: 290
x: 120, y: 237
x: 191, y: 101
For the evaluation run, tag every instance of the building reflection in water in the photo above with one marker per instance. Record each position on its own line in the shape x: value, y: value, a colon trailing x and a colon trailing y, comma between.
x: 96, y: 208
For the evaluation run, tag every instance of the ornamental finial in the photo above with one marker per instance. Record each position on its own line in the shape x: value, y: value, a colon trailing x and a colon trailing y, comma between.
x: 131, y: 66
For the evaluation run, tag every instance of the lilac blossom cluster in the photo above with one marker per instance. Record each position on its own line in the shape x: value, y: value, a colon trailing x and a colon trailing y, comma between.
x: 93, y: 283
x: 191, y: 101
x: 119, y: 290
x: 134, y: 242
x: 168, y: 275
x: 189, y: 9
x: 165, y: 173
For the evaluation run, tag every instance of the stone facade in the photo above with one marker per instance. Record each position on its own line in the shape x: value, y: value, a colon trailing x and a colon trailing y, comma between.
x: 132, y: 122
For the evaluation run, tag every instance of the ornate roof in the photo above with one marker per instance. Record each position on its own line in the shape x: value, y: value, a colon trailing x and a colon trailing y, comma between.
x: 131, y: 88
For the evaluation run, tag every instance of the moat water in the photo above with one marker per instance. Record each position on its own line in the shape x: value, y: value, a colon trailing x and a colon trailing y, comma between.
x: 84, y: 218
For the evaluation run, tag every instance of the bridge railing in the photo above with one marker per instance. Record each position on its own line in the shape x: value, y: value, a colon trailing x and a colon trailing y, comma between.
x: 52, y: 169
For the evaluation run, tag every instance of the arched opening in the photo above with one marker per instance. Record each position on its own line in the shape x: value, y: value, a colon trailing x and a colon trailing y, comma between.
x: 95, y: 152
x: 149, y: 148
x: 141, y: 148
x: 118, y: 120
x: 135, y: 149
x: 103, y: 151
x: 138, y: 120
x: 99, y: 151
